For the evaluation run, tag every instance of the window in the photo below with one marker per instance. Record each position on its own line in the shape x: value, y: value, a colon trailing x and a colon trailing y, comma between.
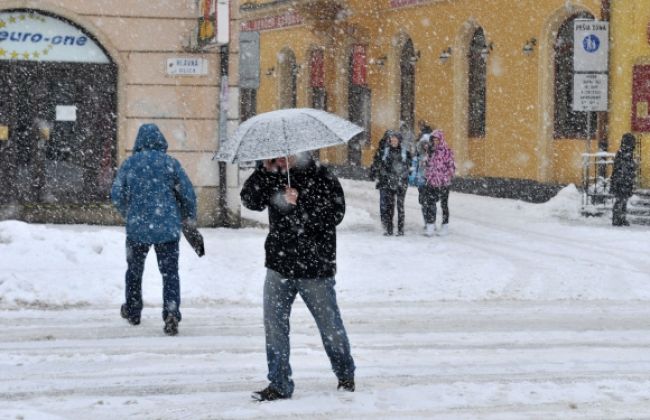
x: 407, y: 85
x: 358, y: 102
x: 568, y: 123
x: 288, y: 83
x: 317, y: 79
x: 477, y: 85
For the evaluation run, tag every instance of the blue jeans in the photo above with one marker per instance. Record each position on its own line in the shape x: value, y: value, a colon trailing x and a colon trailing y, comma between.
x: 320, y: 298
x: 167, y: 254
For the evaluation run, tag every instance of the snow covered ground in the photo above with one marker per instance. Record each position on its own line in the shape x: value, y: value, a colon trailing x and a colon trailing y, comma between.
x: 523, y: 311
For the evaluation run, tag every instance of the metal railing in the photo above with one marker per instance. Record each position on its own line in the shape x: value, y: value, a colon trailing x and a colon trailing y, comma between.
x: 596, y: 172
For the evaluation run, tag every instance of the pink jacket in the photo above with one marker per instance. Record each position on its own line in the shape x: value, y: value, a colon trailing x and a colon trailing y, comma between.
x: 441, y: 167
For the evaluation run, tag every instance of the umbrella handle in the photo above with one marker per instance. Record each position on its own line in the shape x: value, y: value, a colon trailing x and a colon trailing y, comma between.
x: 286, y: 157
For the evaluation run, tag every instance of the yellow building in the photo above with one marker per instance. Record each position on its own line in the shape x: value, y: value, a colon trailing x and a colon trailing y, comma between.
x: 630, y: 77
x: 495, y: 75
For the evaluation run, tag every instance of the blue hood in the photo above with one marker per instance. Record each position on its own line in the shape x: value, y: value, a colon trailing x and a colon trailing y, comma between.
x: 150, y: 138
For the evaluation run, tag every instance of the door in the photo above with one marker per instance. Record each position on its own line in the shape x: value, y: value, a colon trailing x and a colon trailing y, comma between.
x: 21, y: 154
x: 61, y: 119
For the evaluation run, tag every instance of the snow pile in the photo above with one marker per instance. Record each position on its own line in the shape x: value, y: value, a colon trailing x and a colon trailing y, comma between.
x: 498, y: 249
x: 566, y: 204
x: 56, y: 265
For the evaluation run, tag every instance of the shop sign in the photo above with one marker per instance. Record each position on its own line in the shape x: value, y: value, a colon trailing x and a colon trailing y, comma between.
x: 31, y: 36
x: 249, y: 60
x: 272, y: 22
x: 214, y: 23
x: 394, y: 4
x: 187, y: 66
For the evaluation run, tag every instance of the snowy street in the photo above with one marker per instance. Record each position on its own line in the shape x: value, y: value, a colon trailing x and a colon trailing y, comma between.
x: 523, y: 311
x: 425, y: 360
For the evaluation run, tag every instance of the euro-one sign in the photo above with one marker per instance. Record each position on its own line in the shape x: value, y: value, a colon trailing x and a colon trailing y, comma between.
x: 32, y: 36
x: 590, y: 46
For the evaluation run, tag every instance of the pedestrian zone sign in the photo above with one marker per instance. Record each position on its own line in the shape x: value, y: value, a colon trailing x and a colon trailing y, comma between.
x: 590, y: 46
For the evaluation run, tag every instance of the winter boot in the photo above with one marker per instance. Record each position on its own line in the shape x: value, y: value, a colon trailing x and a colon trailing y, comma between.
x: 171, y: 325
x: 444, y: 230
x: 268, y: 394
x: 133, y: 319
x: 431, y: 229
x: 346, y: 385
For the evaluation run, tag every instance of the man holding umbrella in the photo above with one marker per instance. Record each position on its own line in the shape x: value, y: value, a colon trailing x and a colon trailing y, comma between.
x: 305, y: 203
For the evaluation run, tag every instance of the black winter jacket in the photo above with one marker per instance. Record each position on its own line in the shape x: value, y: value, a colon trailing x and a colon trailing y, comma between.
x: 622, y: 182
x: 391, y: 168
x: 302, y: 239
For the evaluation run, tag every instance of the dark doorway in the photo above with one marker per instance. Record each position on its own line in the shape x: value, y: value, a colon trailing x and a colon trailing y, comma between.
x: 477, y: 85
x: 359, y: 113
x: 61, y: 119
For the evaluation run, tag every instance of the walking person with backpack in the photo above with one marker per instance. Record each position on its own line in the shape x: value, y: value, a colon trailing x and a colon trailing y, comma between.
x: 155, y: 197
x: 622, y: 181
x: 391, y: 169
x: 439, y: 173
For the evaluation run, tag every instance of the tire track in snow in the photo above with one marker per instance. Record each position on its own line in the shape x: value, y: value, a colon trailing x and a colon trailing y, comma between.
x: 476, y: 363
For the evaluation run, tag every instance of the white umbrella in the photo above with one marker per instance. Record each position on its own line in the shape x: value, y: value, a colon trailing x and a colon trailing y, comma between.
x: 285, y: 132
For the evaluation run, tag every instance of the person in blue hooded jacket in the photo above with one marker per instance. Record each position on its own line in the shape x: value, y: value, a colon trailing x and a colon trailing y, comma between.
x: 155, y: 196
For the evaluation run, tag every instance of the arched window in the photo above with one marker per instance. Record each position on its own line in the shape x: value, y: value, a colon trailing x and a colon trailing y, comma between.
x: 288, y: 83
x: 477, y: 85
x: 317, y: 79
x: 407, y: 85
x: 568, y: 123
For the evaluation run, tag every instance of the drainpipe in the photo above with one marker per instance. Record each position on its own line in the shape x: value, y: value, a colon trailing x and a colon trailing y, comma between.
x: 603, y: 117
x: 223, y: 217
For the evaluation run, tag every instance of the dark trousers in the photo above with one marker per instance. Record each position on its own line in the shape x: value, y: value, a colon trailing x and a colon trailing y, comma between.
x: 429, y: 197
x: 619, y: 211
x: 388, y: 199
x: 167, y: 255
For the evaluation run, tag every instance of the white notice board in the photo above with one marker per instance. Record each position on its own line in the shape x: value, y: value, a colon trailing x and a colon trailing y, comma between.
x: 590, y: 92
x: 66, y: 113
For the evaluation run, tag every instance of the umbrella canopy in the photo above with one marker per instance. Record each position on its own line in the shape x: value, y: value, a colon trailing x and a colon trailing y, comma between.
x: 286, y: 132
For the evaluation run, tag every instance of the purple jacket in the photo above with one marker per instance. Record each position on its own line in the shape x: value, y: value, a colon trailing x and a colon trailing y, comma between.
x: 441, y: 167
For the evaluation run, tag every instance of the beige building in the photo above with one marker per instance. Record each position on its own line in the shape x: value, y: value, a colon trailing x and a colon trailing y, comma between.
x: 77, y: 80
